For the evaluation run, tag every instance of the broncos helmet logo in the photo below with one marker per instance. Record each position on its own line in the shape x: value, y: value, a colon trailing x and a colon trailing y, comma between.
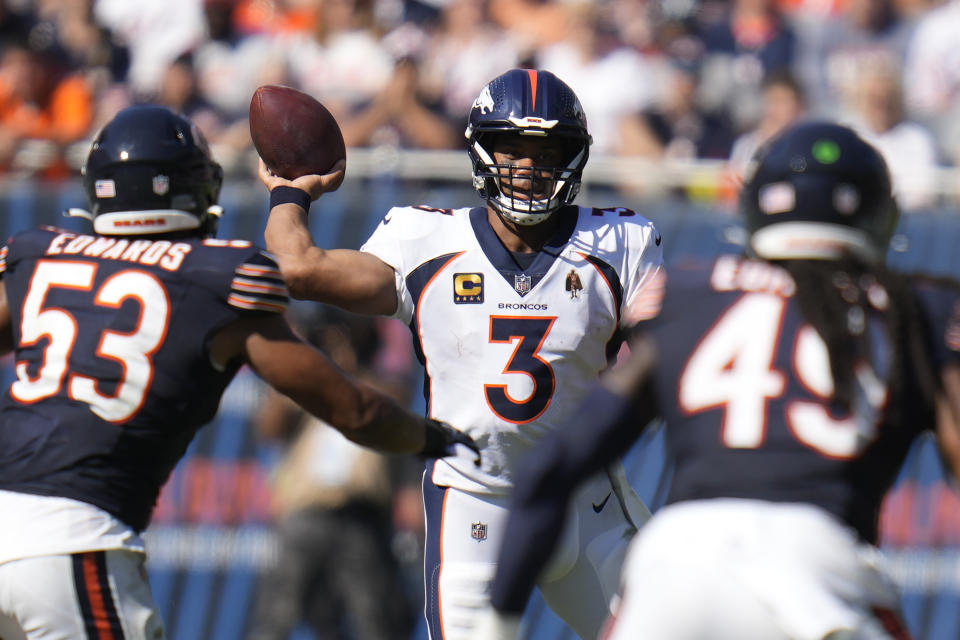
x: 484, y: 101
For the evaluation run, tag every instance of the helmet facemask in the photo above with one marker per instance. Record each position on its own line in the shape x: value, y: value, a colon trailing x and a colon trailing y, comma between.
x: 527, y: 194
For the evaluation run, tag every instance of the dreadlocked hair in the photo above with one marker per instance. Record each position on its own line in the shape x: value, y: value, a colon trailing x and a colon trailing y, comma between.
x: 835, y: 297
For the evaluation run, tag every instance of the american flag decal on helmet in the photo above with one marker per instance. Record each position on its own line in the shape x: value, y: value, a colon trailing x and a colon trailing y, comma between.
x: 105, y: 188
x: 258, y: 286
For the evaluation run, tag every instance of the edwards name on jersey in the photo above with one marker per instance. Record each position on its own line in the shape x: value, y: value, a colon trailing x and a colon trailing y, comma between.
x: 528, y: 340
x: 112, y: 335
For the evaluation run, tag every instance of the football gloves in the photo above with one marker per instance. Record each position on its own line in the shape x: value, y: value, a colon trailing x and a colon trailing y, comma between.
x: 441, y: 439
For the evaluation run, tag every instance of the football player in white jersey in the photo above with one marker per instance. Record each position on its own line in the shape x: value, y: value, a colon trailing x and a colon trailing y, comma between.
x: 515, y: 309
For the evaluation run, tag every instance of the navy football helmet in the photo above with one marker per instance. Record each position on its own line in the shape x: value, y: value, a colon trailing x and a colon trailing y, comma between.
x: 816, y: 190
x: 528, y: 102
x: 149, y: 170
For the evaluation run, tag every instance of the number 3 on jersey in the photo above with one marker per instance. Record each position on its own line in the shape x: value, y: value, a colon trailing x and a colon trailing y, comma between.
x: 732, y: 368
x: 529, y: 333
x: 132, y: 350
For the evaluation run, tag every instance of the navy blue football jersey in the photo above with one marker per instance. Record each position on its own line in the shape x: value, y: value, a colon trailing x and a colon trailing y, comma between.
x: 940, y: 302
x: 113, y: 372
x: 745, y: 387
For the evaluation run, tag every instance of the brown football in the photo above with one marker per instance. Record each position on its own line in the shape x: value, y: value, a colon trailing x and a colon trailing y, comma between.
x: 293, y: 133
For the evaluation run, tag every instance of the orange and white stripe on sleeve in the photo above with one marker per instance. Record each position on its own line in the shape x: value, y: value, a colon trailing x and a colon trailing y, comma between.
x: 258, y: 286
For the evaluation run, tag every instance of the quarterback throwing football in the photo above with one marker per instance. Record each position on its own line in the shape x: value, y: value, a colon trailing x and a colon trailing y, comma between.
x: 515, y: 308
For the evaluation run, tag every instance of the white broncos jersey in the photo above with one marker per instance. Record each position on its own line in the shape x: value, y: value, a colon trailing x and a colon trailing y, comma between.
x: 509, y: 351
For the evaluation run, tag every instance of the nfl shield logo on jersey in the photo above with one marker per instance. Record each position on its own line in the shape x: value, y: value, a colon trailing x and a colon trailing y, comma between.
x: 521, y: 282
x: 478, y: 531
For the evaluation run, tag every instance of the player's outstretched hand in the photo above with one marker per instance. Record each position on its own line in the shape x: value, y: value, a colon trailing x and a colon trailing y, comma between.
x: 314, y: 184
x: 442, y: 439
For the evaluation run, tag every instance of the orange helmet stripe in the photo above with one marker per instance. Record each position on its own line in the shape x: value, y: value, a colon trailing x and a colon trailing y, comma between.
x: 533, y: 86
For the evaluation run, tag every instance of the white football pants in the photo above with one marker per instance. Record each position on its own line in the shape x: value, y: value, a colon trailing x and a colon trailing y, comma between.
x: 464, y: 534
x: 732, y: 569
x: 97, y: 595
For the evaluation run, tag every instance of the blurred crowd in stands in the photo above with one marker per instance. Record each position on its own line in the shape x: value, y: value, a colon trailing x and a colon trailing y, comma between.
x: 660, y: 79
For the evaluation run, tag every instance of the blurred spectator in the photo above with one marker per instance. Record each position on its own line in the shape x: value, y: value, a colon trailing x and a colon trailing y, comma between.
x: 87, y: 45
x: 43, y: 106
x: 676, y: 127
x: 784, y: 103
x: 231, y: 64
x: 745, y: 41
x: 810, y: 9
x: 275, y: 17
x: 534, y: 23
x: 85, y: 49
x: 612, y: 80
x: 15, y: 20
x: 88, y: 50
x: 462, y: 55
x: 156, y: 32
x: 403, y: 73
x: 398, y: 116
x: 640, y: 23
x: 932, y: 75
x: 830, y: 52
x: 336, y: 573
x: 179, y: 90
x: 371, y: 89
x: 341, y: 60
x: 876, y: 111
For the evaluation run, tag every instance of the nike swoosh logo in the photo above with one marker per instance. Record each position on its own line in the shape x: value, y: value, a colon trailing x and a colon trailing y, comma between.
x: 597, y: 508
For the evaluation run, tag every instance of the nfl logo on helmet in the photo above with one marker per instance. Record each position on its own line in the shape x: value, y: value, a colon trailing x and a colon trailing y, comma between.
x: 161, y: 184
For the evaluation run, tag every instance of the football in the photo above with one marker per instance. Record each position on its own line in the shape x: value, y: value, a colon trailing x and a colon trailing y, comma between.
x: 293, y: 133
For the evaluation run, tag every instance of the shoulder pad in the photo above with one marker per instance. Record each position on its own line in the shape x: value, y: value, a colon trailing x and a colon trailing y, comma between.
x: 31, y: 242
x: 419, y: 212
x: 258, y: 285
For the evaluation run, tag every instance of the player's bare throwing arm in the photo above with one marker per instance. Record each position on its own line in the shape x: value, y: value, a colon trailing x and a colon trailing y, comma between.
x: 124, y: 340
x: 508, y: 345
